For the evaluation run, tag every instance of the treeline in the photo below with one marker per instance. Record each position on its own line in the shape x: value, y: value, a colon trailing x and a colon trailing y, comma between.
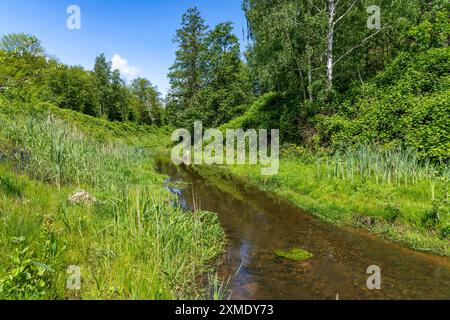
x: 318, y: 53
x: 27, y: 73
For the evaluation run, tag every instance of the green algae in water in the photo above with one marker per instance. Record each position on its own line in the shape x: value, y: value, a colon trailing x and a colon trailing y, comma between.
x: 180, y: 185
x: 295, y: 254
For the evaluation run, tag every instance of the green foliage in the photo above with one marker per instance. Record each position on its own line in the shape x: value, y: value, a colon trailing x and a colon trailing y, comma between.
x: 433, y: 30
x: 21, y: 75
x: 25, y: 279
x: 225, y: 79
x: 185, y: 74
x: 102, y: 75
x: 291, y: 40
x: 52, y: 151
x: 406, y: 105
x: 73, y: 88
x: 21, y: 44
x: 209, y: 82
x: 119, y: 108
x: 146, y: 102
x: 253, y: 115
x: 339, y: 190
x: 32, y: 77
x: 270, y: 111
x: 131, y: 244
x: 387, y: 166
x: 439, y: 215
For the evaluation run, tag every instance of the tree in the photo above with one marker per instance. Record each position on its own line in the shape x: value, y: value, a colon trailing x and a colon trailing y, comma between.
x: 326, y: 40
x: 185, y: 74
x: 118, y: 110
x: 286, y: 47
x: 225, y: 82
x: 102, y: 74
x: 22, y: 65
x: 73, y: 88
x: 146, y: 101
x: 21, y: 44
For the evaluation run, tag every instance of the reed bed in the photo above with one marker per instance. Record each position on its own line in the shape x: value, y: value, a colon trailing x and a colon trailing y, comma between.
x: 393, y: 167
x: 53, y: 151
x: 130, y: 244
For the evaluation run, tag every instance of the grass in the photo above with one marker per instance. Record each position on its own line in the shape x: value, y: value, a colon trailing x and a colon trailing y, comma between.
x: 389, y: 167
x: 130, y: 244
x: 390, y: 193
x: 11, y: 187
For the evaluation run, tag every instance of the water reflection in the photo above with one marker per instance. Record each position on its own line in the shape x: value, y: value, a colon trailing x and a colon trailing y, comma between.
x: 260, y: 224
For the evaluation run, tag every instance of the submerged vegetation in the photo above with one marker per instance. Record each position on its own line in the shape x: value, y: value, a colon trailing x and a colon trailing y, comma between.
x: 130, y: 244
x: 295, y: 254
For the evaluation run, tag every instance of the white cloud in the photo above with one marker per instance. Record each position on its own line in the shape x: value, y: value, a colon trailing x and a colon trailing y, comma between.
x: 121, y: 64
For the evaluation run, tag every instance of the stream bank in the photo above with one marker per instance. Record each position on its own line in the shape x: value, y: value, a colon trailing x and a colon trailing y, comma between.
x: 257, y: 225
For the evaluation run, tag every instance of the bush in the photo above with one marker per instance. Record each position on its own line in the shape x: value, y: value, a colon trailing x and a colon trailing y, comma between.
x: 406, y: 105
x: 270, y: 111
x: 25, y: 279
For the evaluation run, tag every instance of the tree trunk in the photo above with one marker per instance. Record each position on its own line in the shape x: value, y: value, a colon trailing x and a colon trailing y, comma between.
x: 330, y: 42
x: 309, y: 73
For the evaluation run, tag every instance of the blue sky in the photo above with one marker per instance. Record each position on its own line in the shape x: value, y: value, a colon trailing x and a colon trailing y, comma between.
x: 137, y: 31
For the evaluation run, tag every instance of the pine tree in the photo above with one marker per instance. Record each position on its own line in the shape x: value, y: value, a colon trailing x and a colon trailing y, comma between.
x: 185, y: 74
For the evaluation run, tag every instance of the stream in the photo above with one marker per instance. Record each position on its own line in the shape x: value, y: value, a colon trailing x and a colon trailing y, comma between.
x: 257, y: 224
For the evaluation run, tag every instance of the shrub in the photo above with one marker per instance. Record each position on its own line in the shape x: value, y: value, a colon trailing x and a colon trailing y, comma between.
x: 407, y: 105
x: 25, y: 279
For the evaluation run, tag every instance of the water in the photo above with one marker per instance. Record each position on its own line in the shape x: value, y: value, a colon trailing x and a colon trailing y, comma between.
x: 257, y: 224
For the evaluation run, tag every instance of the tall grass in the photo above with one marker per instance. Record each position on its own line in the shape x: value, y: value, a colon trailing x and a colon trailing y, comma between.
x: 51, y: 150
x: 131, y: 244
x: 179, y: 244
x: 393, y: 167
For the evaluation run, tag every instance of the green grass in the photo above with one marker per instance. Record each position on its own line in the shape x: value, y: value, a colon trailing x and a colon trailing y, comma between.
x: 155, y: 139
x: 130, y: 244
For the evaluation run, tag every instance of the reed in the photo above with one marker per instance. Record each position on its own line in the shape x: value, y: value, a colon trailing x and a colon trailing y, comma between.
x: 53, y: 151
x: 130, y: 244
x: 393, y: 167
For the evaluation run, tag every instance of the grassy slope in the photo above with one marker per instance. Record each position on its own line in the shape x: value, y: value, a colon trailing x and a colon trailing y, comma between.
x: 131, y: 244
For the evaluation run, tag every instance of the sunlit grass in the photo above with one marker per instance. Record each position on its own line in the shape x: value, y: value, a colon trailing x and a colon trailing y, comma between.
x: 130, y: 244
